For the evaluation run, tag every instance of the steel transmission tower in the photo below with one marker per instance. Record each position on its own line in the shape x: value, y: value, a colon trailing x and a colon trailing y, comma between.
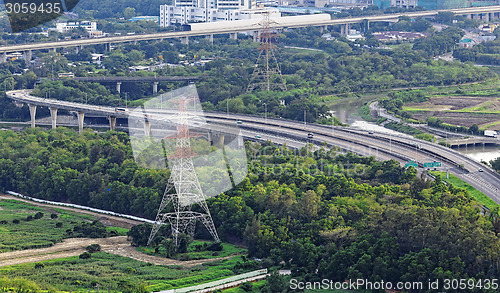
x: 267, y: 69
x: 184, y: 181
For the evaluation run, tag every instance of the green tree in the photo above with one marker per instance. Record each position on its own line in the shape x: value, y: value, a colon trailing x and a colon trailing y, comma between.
x: 129, y: 12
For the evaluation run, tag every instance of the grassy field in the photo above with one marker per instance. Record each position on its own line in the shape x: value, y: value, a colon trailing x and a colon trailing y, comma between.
x: 227, y: 250
x: 114, y: 272
x: 109, y: 271
x: 486, y: 126
x: 457, y: 182
x: 35, y: 233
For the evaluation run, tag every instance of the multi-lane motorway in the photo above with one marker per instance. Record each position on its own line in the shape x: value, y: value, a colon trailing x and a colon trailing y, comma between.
x: 382, y: 146
x: 230, y: 27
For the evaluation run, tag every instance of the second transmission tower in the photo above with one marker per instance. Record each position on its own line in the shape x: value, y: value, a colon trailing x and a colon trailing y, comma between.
x: 267, y: 74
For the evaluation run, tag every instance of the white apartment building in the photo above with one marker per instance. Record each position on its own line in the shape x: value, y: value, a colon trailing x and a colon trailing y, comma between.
x: 187, y: 11
x: 63, y: 27
x: 404, y: 3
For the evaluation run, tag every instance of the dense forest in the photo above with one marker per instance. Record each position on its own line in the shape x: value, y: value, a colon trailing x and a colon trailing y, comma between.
x: 323, y: 214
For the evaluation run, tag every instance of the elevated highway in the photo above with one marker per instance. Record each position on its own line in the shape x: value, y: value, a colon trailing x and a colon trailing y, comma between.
x: 486, y: 13
x: 382, y: 146
x: 121, y: 79
x: 105, y: 79
x: 473, y: 141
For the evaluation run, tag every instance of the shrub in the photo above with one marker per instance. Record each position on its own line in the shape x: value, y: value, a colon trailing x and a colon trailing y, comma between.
x: 15, y: 221
x: 425, y: 136
x: 59, y: 225
x: 53, y: 216
x: 217, y: 246
x: 139, y: 234
x: 29, y: 218
x: 38, y: 215
x: 3, y: 222
x: 85, y: 255
x: 93, y: 248
x: 92, y: 230
x: 247, y: 287
x: 185, y: 257
x: 39, y: 265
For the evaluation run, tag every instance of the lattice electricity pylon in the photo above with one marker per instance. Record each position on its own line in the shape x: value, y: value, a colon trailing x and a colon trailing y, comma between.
x: 184, y: 180
x: 267, y: 68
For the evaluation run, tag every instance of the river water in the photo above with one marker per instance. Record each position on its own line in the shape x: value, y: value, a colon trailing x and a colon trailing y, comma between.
x: 349, y: 113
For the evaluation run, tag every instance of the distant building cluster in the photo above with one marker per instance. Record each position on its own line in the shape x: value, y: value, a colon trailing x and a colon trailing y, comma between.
x: 434, y: 4
x: 189, y: 11
x: 388, y: 36
x: 64, y: 27
x: 89, y: 26
x: 192, y: 11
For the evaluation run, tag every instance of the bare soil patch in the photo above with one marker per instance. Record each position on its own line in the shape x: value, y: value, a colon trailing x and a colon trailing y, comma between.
x: 458, y: 103
x: 76, y: 246
x: 69, y: 247
x: 131, y: 252
x: 442, y: 108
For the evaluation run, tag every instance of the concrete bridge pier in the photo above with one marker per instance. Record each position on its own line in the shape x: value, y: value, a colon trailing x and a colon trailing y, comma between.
x: 147, y: 128
x: 53, y: 50
x: 32, y: 114
x: 27, y: 55
x: 344, y: 29
x: 185, y: 40
x: 221, y: 140
x: 256, y: 36
x: 112, y: 122
x: 487, y: 17
x: 81, y: 117
x: 53, y: 116
x: 3, y: 57
x: 118, y: 86
x: 233, y: 36
x: 155, y: 87
x: 211, y: 38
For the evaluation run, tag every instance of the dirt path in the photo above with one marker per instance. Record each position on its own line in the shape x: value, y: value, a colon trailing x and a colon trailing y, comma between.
x: 69, y: 247
x: 131, y: 252
x: 105, y: 219
x: 76, y: 246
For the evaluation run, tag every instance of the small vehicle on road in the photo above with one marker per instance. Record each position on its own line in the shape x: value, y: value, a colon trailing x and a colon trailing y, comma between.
x: 121, y: 110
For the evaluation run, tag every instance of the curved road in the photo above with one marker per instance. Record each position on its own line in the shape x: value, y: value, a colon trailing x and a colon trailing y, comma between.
x: 231, y: 28
x: 382, y: 146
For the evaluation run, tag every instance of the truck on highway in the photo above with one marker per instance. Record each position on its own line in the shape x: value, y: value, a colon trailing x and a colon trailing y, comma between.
x: 490, y: 133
